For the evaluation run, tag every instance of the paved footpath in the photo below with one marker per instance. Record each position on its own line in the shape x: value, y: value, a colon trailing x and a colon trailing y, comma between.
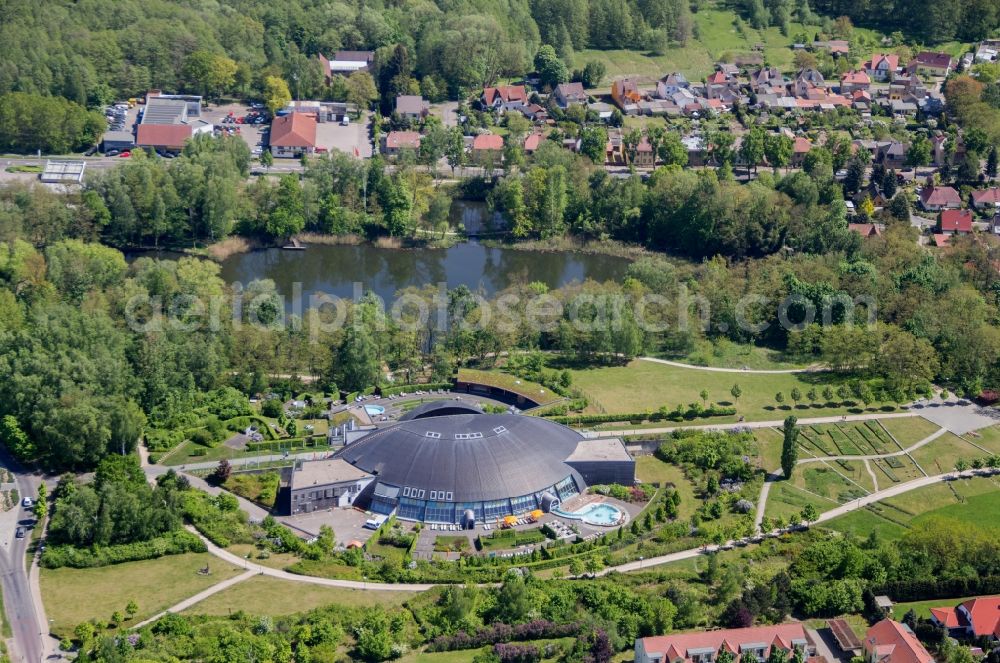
x: 199, y: 597
x: 752, y: 424
x: 745, y: 371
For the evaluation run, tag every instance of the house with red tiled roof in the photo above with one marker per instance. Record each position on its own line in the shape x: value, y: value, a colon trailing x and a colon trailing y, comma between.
x: 851, y: 81
x: 986, y: 198
x: 487, y: 147
x: 882, y: 66
x: 705, y: 646
x: 979, y: 617
x: 937, y: 198
x: 955, y: 222
x: 397, y: 142
x: 891, y: 642
x: 800, y: 148
x: 293, y: 135
x: 928, y: 63
x: 644, y: 157
x: 532, y: 142
x: 866, y: 230
x: 505, y: 97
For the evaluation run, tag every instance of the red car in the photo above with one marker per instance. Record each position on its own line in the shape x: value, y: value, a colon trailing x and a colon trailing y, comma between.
x: 125, y: 155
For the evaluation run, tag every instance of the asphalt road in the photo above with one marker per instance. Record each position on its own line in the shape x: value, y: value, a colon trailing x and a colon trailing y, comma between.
x: 19, y: 603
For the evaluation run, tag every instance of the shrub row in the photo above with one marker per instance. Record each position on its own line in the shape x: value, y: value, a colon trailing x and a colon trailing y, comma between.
x: 173, y: 543
x: 640, y: 417
x: 533, y: 630
x: 410, y: 388
x: 903, y: 591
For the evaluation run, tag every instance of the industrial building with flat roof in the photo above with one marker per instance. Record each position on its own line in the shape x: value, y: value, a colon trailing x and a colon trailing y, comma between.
x: 447, y: 462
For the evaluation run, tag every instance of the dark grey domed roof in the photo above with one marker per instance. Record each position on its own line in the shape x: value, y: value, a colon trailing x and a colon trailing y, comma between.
x: 476, y: 457
x: 440, y: 408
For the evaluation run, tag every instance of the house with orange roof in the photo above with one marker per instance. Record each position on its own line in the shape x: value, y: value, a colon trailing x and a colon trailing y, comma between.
x: 979, y: 618
x: 625, y: 93
x: 505, y: 97
x: 851, y: 81
x: 800, y: 148
x: 882, y: 66
x: 705, y: 646
x: 397, y: 142
x: 892, y: 642
x: 487, y: 147
x: 866, y: 230
x: 293, y: 135
x: 644, y: 157
x: 532, y: 142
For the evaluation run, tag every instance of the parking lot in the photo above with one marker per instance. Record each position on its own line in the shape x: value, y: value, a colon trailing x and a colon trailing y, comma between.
x: 253, y: 134
x: 333, y: 136
x: 347, y: 523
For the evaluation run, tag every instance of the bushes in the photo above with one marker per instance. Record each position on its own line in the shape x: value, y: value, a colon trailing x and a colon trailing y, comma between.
x: 677, y: 414
x: 903, y: 591
x: 497, y: 633
x: 214, y: 518
x: 410, y: 388
x: 172, y: 543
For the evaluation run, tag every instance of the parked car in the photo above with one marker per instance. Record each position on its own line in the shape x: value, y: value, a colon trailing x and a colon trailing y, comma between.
x: 19, y: 532
x: 112, y: 153
x: 125, y: 155
x: 346, y: 121
x: 27, y: 503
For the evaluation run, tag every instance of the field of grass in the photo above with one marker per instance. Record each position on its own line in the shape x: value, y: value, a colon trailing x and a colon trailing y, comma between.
x: 987, y: 438
x: 646, y: 385
x: 652, y: 469
x: 726, y: 354
x: 829, y: 481
x: 910, y: 430
x: 786, y: 499
x: 511, y: 383
x: 769, y: 441
x: 963, y: 501
x: 72, y: 596
x: 941, y: 455
x: 270, y: 596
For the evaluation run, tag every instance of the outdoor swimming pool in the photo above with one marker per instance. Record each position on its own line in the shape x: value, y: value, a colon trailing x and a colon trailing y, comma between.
x: 374, y: 410
x: 601, y: 513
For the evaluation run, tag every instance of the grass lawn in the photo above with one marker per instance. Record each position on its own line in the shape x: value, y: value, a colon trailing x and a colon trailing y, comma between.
x: 726, y: 354
x: 987, y: 438
x: 977, y: 512
x: 270, y: 596
x: 769, y: 441
x: 941, y: 455
x: 72, y: 596
x: 865, y: 521
x: 508, y: 382
x: 646, y: 385
x: 824, y: 480
x: 652, y: 469
x: 787, y: 500
x: 910, y: 430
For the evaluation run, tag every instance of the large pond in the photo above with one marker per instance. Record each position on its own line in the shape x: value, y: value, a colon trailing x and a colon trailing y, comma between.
x: 343, y: 271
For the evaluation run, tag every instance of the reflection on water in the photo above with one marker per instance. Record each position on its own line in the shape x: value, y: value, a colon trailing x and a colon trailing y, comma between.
x: 335, y: 269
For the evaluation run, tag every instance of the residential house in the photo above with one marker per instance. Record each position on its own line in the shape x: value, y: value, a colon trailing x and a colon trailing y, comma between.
x: 852, y: 81
x: 324, y: 484
x: 889, y: 641
x: 806, y: 81
x: 412, y: 107
x: 705, y: 646
x: 986, y: 199
x: 614, y: 150
x: 988, y: 51
x: 505, y: 97
x: 487, y: 147
x: 866, y: 230
x: 882, y: 67
x: 767, y: 80
x: 535, y: 113
x: 980, y: 617
x: 872, y: 192
x: 293, y: 135
x: 836, y: 47
x: 955, y: 222
x: 644, y: 157
x: 625, y: 92
x: 671, y: 83
x: 892, y: 154
x: 397, y: 142
x: 929, y: 63
x: 722, y: 87
x: 800, y: 148
x: 861, y: 100
x: 697, y: 149
x: 346, y: 63
x: 532, y: 142
x: 937, y: 198
x: 567, y: 94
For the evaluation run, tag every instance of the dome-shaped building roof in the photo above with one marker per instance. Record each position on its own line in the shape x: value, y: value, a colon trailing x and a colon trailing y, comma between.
x: 467, y: 457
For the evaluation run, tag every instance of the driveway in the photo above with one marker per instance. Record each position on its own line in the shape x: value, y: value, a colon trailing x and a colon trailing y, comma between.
x: 334, y: 136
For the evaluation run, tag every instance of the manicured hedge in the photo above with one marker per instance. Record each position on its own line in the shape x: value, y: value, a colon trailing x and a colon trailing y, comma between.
x: 640, y: 417
x: 903, y: 591
x: 174, y: 543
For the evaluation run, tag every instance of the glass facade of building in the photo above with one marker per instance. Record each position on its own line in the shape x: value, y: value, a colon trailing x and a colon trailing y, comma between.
x: 409, y: 506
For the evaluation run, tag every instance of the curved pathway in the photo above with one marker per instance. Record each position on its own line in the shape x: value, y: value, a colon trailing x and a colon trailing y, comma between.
x: 753, y: 424
x: 717, y: 369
